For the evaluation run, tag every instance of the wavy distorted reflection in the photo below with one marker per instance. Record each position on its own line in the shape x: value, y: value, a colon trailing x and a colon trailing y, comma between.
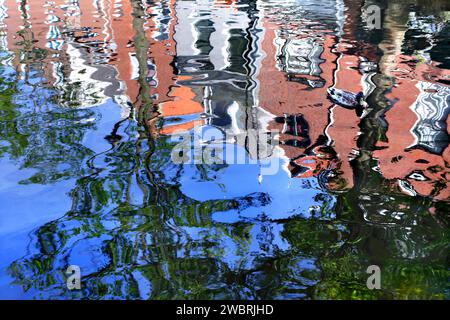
x: 94, y: 93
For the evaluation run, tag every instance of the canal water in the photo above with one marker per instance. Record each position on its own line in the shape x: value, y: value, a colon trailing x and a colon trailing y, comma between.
x: 107, y: 108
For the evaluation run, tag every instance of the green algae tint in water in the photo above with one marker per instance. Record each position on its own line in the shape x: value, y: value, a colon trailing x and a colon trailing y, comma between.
x: 93, y: 95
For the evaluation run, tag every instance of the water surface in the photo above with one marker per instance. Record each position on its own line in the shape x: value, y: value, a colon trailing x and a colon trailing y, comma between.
x: 93, y: 94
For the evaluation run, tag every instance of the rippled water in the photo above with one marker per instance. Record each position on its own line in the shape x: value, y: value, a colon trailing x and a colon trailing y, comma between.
x: 93, y: 92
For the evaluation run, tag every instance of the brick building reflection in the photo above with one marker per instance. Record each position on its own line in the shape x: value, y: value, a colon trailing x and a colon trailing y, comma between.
x: 297, y: 84
x: 415, y: 155
x: 197, y: 66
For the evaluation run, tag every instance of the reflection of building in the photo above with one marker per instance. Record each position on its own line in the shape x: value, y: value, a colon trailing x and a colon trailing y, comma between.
x: 294, y: 78
x: 297, y: 70
x: 74, y: 41
x: 212, y: 83
x: 416, y: 153
x: 243, y: 68
x: 177, y: 102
